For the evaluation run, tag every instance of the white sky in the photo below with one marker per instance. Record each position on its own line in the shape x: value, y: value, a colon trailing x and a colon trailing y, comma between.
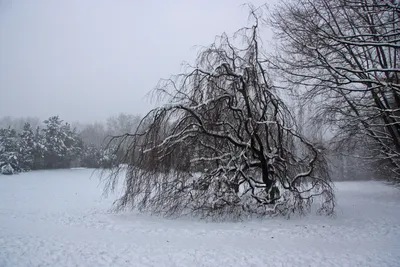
x: 88, y: 59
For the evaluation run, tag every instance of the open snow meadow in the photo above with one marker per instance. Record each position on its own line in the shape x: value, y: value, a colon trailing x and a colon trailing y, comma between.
x: 60, y: 218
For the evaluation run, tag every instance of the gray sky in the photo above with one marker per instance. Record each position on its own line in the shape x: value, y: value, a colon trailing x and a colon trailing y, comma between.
x: 88, y: 59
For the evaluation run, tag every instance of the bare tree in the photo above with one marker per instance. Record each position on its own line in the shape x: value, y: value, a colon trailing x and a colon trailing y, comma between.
x: 18, y: 123
x: 225, y: 145
x: 94, y: 134
x: 344, y: 55
x: 123, y: 123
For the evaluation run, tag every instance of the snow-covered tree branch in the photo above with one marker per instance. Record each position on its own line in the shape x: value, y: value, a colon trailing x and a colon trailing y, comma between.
x: 224, y: 145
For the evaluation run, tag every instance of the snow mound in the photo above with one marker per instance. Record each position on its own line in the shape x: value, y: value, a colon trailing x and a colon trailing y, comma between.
x: 7, y: 169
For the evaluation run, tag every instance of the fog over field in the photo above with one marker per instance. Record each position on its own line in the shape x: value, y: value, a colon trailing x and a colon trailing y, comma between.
x: 88, y: 60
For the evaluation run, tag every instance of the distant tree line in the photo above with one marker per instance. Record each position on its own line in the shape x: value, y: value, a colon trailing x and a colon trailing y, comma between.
x: 55, y: 144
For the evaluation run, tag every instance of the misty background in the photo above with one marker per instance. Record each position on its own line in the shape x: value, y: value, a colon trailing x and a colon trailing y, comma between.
x: 86, y: 68
x: 88, y: 60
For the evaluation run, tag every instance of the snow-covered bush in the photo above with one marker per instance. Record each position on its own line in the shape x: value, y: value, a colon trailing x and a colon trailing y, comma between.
x: 7, y: 169
x: 91, y: 157
x: 108, y: 158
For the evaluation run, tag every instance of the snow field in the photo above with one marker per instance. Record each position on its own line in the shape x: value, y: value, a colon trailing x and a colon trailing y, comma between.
x: 60, y: 218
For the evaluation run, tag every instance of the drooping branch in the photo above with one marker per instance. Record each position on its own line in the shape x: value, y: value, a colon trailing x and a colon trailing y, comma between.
x: 225, y: 144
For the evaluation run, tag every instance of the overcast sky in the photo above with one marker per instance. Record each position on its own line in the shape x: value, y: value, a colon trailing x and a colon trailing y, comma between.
x: 88, y: 59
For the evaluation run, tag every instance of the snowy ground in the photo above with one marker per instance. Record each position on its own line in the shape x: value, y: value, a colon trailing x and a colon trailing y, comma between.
x: 59, y: 218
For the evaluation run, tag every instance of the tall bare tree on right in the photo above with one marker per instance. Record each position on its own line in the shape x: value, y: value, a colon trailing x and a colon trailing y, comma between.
x: 344, y: 57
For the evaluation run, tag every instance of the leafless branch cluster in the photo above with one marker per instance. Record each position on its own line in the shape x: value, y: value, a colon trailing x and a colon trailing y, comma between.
x: 344, y: 56
x: 225, y: 145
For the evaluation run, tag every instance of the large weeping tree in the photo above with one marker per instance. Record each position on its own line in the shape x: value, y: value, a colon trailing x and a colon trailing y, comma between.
x: 344, y: 55
x: 225, y: 145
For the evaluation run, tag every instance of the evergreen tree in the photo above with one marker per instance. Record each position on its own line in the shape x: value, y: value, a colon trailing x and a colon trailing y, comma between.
x: 108, y: 157
x: 57, y: 145
x: 91, y: 156
x: 63, y: 145
x: 54, y: 142
x: 74, y: 146
x: 39, y: 150
x: 9, y: 151
x: 27, y: 147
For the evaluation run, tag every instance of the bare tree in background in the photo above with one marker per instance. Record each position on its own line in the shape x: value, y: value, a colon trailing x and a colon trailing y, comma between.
x: 225, y: 145
x: 94, y: 134
x: 123, y: 123
x: 18, y: 123
x: 344, y: 55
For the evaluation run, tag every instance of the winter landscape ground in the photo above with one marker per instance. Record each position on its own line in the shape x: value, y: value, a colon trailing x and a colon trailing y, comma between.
x: 60, y: 218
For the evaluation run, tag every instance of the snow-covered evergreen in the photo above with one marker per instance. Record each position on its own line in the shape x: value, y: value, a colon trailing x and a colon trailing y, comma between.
x: 39, y: 150
x: 74, y: 146
x: 27, y: 147
x: 9, y: 151
x: 91, y: 156
x: 54, y: 142
x: 108, y: 158
x: 62, y: 143
x: 56, y: 145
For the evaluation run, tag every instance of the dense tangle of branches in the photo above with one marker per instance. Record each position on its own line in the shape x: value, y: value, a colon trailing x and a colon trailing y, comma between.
x: 225, y: 144
x: 344, y: 55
